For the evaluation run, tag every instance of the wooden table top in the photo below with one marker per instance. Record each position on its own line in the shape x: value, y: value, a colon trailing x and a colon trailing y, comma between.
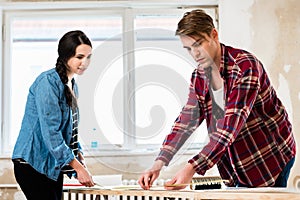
x: 227, y: 193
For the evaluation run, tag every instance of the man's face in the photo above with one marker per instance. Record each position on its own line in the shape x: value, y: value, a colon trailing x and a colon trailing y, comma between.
x: 203, y: 49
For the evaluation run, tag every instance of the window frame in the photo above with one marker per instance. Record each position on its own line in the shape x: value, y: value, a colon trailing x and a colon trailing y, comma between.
x: 126, y: 9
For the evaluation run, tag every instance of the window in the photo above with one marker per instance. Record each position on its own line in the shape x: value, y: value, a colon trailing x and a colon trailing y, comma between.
x: 32, y: 42
x: 136, y: 84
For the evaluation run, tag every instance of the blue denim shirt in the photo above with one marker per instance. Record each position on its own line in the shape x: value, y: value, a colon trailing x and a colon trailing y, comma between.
x: 46, y: 127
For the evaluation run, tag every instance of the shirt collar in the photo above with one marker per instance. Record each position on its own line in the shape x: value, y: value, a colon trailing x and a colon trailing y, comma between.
x: 223, y: 61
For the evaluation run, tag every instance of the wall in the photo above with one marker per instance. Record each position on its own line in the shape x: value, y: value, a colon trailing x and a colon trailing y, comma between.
x: 269, y: 29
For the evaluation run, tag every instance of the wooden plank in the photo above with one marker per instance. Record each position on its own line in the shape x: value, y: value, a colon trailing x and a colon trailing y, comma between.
x: 232, y: 194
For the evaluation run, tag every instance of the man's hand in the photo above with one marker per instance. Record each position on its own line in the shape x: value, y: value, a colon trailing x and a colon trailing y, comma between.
x: 148, y: 177
x: 182, y: 178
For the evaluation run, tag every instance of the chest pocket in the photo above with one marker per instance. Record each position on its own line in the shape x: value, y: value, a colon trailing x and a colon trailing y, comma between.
x: 66, y: 119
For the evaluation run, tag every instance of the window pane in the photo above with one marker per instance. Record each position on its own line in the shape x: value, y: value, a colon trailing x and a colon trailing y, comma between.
x: 34, y: 49
x: 163, y: 71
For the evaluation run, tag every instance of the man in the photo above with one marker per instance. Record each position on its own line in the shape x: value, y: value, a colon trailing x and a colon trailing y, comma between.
x: 250, y: 136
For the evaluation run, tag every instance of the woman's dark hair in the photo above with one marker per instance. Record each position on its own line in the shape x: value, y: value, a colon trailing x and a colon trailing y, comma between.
x: 66, y: 49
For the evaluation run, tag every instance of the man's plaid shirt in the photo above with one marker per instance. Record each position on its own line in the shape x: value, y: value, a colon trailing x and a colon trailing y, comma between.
x: 252, y: 141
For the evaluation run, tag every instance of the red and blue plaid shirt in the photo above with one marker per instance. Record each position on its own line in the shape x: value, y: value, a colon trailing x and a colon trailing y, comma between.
x: 251, y: 141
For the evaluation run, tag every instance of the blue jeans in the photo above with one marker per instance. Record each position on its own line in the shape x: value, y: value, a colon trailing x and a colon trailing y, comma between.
x: 282, y: 179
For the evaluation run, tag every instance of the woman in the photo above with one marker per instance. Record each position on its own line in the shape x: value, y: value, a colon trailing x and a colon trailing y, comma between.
x: 47, y: 145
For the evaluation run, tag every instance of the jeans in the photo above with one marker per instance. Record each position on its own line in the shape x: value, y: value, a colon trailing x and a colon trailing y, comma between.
x: 37, y: 186
x: 282, y: 178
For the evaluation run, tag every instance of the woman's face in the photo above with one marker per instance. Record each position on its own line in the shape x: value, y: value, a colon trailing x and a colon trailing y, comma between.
x: 80, y: 61
x: 204, y: 49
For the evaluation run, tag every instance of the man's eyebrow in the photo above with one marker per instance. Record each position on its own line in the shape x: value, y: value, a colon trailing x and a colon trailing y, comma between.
x: 197, y: 41
x: 194, y: 44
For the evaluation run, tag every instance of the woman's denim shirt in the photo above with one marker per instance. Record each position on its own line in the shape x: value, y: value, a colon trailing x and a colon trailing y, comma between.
x: 46, y: 127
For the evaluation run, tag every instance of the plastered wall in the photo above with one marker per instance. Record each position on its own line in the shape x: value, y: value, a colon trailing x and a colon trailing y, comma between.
x: 270, y: 29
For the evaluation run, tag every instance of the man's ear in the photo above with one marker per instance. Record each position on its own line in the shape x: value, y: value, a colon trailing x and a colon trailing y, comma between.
x: 214, y: 34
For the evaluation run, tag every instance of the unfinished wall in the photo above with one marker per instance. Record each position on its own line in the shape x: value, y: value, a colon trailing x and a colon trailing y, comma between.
x: 270, y: 29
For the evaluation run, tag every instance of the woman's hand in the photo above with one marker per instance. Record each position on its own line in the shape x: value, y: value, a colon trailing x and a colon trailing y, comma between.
x: 85, y: 178
x: 81, y: 159
x: 83, y: 175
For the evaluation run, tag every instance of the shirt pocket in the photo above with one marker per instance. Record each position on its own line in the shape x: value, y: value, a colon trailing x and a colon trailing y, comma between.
x: 66, y: 123
x: 65, y: 112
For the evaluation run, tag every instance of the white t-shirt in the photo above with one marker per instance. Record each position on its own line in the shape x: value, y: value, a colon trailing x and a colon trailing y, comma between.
x: 219, y: 97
